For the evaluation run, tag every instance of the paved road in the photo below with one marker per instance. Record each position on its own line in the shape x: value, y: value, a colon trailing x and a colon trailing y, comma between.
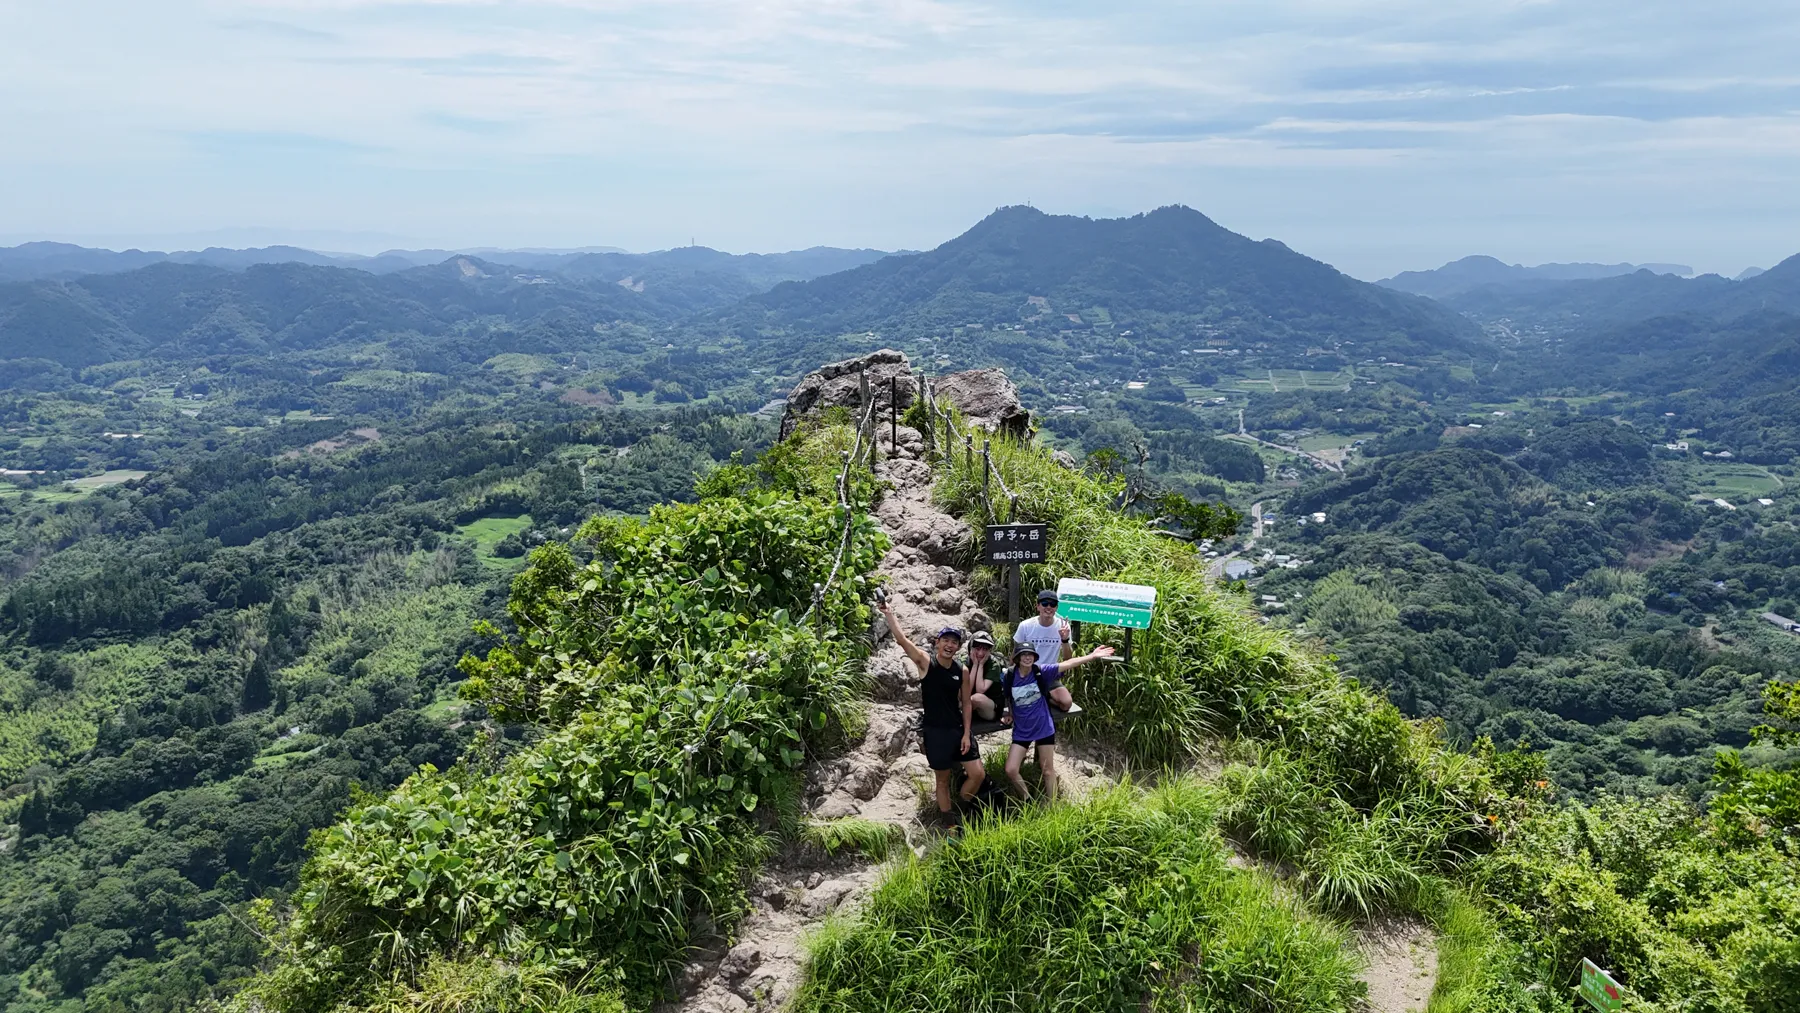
x: 1216, y: 568
x: 1246, y: 434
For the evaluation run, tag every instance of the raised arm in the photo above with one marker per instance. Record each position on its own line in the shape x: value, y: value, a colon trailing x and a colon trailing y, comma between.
x: 902, y: 638
x: 1103, y: 651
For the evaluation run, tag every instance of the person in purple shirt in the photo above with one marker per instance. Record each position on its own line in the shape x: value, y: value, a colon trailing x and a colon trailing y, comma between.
x: 1031, y: 689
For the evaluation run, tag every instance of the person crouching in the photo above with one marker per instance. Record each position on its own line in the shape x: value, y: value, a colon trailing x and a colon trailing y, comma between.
x: 1030, y: 689
x: 987, y: 672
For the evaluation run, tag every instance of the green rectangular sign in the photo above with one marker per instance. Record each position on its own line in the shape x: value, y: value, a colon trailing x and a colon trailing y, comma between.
x: 1598, y: 988
x: 1106, y: 603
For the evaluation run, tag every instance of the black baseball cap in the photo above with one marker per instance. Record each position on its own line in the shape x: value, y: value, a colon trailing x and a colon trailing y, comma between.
x: 982, y: 638
x: 1047, y: 597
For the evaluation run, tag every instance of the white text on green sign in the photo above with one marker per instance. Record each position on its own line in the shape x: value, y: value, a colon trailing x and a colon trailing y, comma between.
x: 1106, y: 603
x: 1599, y: 989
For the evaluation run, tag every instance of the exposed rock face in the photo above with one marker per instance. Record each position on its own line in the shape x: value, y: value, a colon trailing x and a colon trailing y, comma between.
x: 986, y: 398
x: 838, y: 384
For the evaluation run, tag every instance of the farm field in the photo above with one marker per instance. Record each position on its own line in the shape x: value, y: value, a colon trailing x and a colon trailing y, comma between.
x: 1274, y: 381
x: 1742, y: 481
x: 1333, y: 441
x: 488, y: 532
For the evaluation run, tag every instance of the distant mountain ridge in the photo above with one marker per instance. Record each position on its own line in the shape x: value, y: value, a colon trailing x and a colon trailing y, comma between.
x: 39, y: 260
x: 1460, y: 276
x: 1586, y: 305
x: 196, y: 309
x: 1171, y: 272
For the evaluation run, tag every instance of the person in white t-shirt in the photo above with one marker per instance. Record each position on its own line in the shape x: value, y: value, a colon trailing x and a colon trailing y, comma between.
x: 1047, y: 634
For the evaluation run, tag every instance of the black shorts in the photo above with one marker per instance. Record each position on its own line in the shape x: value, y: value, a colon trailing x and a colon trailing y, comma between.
x: 1048, y: 740
x: 941, y: 745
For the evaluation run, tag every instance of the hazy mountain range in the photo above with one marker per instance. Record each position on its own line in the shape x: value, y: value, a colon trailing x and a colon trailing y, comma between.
x: 1162, y: 281
x: 1583, y: 305
x: 31, y: 261
x: 1460, y: 276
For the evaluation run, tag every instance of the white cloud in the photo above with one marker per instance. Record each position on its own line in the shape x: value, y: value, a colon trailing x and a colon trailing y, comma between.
x: 774, y: 123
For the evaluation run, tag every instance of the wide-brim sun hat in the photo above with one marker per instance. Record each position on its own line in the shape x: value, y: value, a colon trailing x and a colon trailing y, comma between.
x: 1023, y: 649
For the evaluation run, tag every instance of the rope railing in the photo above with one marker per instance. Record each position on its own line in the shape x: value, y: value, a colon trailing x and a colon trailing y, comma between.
x: 851, y: 457
x: 951, y: 433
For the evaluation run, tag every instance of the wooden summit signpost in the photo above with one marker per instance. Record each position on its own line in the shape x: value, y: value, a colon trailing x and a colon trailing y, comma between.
x: 1101, y: 601
x: 1009, y: 545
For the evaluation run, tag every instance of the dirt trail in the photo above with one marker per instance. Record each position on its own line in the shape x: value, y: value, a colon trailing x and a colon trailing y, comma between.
x: 1402, y: 956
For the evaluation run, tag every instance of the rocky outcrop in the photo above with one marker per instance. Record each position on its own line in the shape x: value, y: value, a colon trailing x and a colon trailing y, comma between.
x: 839, y: 384
x: 986, y: 398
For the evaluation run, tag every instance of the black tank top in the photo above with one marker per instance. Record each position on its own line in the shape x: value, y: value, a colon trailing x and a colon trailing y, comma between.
x: 941, y: 693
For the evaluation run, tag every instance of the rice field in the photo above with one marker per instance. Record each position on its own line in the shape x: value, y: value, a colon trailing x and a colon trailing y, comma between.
x: 1275, y: 381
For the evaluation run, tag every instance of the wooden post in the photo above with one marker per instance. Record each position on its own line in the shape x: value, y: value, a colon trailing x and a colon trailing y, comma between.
x: 1012, y: 508
x: 986, y: 466
x: 968, y: 453
x: 1012, y: 594
x: 1075, y: 635
x: 1127, y: 645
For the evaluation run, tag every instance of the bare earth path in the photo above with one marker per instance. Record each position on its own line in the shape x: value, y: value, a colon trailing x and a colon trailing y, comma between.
x: 1402, y: 956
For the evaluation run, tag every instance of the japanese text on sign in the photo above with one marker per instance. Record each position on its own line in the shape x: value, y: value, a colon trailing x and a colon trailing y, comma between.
x: 1016, y: 543
x: 1599, y: 988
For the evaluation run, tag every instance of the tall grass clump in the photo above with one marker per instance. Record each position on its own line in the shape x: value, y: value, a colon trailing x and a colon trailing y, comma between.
x: 1480, y: 970
x: 1122, y: 902
x: 483, y: 985
x: 854, y: 834
x: 671, y: 690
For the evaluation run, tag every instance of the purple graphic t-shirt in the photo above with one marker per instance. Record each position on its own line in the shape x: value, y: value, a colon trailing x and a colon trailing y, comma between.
x: 1031, y: 702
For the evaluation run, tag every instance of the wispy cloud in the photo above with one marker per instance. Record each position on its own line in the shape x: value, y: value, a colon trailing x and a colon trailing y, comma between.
x: 892, y: 122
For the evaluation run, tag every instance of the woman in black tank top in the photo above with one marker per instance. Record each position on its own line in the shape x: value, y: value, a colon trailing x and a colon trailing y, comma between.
x: 945, y: 694
x: 941, y: 694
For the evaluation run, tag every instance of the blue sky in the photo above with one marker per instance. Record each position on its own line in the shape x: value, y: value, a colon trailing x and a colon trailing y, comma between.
x: 1377, y: 136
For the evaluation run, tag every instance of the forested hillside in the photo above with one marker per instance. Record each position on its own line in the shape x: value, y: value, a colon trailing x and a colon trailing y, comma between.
x: 1165, y: 275
x: 252, y: 519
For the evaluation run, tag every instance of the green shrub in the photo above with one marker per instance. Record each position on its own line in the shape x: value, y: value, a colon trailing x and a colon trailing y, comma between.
x: 1121, y: 902
x: 1683, y: 916
x: 674, y: 694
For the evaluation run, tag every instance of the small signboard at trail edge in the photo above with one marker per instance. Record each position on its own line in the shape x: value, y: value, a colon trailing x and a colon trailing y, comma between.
x: 1106, y: 603
x: 1016, y: 543
x: 1598, y: 988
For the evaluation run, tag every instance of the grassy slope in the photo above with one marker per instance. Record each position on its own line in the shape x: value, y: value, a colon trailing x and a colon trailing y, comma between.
x: 1361, y: 811
x: 1128, y: 902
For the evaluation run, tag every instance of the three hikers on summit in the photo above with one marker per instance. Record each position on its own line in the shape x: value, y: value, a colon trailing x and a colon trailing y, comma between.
x: 952, y: 693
